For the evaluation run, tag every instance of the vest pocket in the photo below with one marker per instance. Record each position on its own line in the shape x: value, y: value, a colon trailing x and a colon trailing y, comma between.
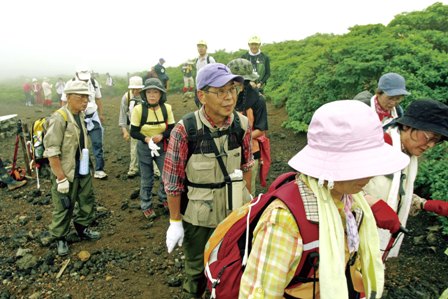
x: 202, y: 172
x: 201, y: 209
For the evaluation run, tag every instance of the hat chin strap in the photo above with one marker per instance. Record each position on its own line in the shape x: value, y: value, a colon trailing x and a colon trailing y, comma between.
x: 152, y: 105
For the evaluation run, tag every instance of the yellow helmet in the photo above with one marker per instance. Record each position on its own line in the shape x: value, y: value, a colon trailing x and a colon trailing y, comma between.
x: 202, y: 42
x: 254, y: 40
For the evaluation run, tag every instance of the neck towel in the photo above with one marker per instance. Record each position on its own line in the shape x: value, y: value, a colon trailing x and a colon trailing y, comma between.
x: 332, y: 247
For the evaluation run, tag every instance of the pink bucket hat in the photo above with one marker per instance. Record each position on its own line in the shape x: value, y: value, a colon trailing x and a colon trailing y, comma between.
x: 346, y: 142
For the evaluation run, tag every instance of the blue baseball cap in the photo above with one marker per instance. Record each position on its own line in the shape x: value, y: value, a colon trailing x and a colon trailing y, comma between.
x: 393, y: 84
x: 215, y: 75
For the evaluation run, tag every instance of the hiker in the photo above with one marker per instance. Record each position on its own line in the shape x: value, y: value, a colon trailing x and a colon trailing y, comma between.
x: 36, y: 88
x: 27, y: 92
x: 109, y: 81
x: 260, y: 62
x: 345, y: 149
x: 151, y: 124
x: 423, y: 126
x: 252, y: 104
x: 202, y: 60
x: 187, y: 71
x: 390, y: 92
x: 94, y: 119
x: 201, y: 169
x: 65, y: 141
x: 60, y: 90
x: 6, y: 179
x: 46, y: 87
x: 160, y: 70
x: 130, y: 99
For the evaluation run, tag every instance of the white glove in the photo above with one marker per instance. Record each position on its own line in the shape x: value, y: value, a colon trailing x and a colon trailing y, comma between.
x: 174, y: 234
x: 63, y: 186
x: 153, y: 147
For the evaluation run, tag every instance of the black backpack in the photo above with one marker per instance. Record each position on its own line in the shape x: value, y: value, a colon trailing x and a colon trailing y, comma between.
x: 195, y: 137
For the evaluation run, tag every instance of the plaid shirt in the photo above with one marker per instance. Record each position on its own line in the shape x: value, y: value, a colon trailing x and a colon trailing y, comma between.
x: 276, y: 251
x: 177, y: 155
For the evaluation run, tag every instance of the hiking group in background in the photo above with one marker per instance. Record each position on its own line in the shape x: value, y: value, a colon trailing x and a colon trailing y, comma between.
x: 320, y: 232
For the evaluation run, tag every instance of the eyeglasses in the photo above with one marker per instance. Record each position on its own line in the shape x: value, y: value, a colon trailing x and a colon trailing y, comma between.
x: 396, y: 99
x: 80, y: 97
x: 434, y: 139
x: 223, y: 93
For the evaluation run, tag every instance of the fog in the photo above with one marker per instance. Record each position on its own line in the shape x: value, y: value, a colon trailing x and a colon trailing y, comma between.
x: 49, y: 38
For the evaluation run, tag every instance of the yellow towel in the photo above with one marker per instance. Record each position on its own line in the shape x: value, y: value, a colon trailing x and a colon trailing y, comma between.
x: 332, y: 247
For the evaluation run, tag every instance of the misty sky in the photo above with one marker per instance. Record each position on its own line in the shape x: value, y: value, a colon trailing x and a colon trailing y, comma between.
x: 46, y: 38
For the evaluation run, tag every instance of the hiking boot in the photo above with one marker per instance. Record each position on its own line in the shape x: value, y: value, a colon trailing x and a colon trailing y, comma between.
x: 15, y: 184
x: 89, y: 234
x: 85, y: 233
x: 99, y: 174
x: 150, y: 214
x: 132, y: 174
x: 62, y: 247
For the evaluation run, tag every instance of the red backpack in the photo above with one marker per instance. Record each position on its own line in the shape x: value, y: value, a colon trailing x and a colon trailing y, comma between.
x: 228, y: 248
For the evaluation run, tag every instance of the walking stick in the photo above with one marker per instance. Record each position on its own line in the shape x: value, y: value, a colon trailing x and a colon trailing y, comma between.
x: 392, y: 240
x: 25, y: 153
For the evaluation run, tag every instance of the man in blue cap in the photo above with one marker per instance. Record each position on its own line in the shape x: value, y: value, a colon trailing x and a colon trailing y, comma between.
x: 161, y: 74
x: 199, y: 170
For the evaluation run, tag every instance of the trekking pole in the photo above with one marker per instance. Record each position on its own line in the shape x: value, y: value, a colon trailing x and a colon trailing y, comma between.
x: 24, y: 150
x: 392, y: 240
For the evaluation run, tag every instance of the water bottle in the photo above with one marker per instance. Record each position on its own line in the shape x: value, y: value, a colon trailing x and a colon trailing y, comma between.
x: 237, y: 189
x: 38, y: 147
x: 84, y: 162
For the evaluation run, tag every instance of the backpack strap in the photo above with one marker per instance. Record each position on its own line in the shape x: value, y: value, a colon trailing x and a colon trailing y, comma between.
x: 129, y: 97
x: 63, y: 114
x: 93, y: 83
x: 309, y: 232
x: 195, y: 135
x: 145, y: 116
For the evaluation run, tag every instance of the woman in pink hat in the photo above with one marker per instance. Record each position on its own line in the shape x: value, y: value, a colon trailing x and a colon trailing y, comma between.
x: 345, y: 149
x: 423, y: 126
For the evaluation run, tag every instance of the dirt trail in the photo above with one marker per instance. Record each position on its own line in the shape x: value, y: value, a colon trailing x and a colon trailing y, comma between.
x: 130, y: 260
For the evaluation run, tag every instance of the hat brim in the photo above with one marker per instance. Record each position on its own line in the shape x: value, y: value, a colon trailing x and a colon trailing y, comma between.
x: 135, y: 86
x: 397, y: 92
x: 75, y: 91
x: 251, y: 77
x: 423, y: 125
x: 84, y: 76
x: 223, y: 80
x: 153, y: 87
x: 340, y: 166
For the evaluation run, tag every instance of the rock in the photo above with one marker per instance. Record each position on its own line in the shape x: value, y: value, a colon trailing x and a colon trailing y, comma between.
x: 45, y: 238
x: 101, y: 209
x: 434, y: 228
x: 22, y: 251
x: 124, y: 205
x: 419, y: 240
x: 135, y: 194
x: 432, y: 239
x: 28, y: 261
x: 174, y: 281
x: 84, y: 255
x: 36, y: 295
